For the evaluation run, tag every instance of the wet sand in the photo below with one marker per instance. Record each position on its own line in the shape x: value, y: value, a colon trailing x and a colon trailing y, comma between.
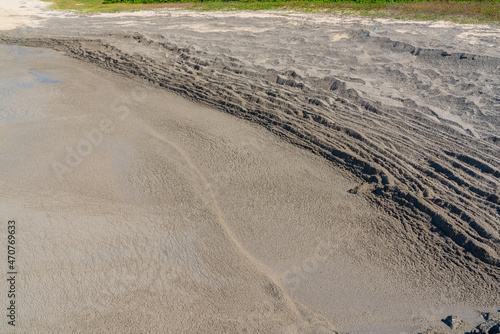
x: 355, y: 190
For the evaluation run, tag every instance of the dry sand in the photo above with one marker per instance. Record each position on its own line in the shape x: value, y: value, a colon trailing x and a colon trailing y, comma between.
x: 357, y: 188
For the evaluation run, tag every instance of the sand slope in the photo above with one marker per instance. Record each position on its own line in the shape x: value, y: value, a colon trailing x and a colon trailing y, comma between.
x: 128, y: 236
x: 407, y: 113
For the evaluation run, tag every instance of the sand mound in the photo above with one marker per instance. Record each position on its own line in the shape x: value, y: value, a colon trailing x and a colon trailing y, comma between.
x: 432, y: 169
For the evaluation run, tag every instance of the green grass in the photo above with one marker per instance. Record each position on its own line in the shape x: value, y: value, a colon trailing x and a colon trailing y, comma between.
x: 476, y: 11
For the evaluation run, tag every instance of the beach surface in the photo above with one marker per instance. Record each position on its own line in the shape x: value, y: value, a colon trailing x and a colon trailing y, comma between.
x: 259, y: 172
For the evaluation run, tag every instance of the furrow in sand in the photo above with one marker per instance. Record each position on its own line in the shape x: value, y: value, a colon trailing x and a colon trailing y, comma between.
x: 424, y: 170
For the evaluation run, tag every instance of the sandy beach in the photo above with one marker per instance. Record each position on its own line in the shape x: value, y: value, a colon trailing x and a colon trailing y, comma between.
x: 248, y: 172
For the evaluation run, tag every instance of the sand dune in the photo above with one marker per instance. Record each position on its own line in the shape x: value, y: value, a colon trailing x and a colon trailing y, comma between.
x: 356, y: 189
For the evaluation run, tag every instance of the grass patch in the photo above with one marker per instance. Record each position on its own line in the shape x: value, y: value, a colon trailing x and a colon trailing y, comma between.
x: 477, y: 11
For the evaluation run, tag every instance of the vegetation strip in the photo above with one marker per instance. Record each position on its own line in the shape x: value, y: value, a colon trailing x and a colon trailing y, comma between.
x: 455, y: 11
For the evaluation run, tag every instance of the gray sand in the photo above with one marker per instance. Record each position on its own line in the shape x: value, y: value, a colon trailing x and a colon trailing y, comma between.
x: 356, y: 189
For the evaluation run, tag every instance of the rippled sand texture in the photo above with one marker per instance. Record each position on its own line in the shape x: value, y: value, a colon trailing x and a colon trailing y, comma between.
x: 383, y: 216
